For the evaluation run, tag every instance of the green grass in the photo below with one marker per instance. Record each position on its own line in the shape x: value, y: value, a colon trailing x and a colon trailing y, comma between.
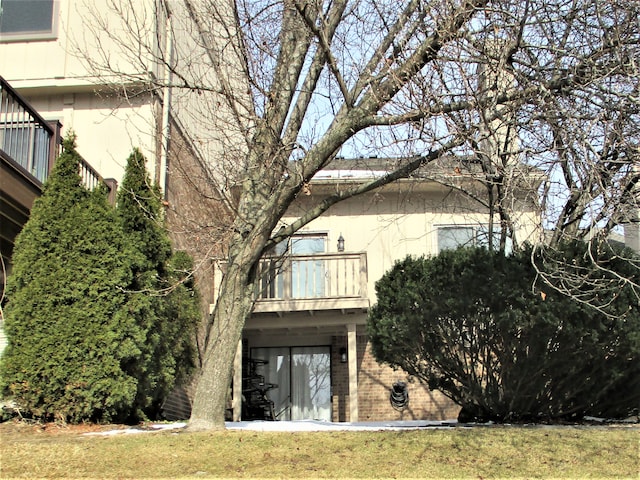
x: 478, y: 453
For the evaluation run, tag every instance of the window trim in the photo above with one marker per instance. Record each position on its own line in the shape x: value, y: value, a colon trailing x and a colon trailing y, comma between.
x: 477, y: 229
x: 288, y: 243
x: 35, y: 35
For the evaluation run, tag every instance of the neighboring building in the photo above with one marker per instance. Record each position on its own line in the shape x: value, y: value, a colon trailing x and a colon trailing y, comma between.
x: 40, y: 44
x: 309, y: 321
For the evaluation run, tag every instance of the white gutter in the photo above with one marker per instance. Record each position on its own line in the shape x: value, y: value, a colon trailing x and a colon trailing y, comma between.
x: 166, y: 106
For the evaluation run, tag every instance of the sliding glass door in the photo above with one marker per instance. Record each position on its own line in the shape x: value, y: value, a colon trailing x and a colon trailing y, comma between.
x: 311, y: 383
x: 303, y: 375
x: 308, y: 275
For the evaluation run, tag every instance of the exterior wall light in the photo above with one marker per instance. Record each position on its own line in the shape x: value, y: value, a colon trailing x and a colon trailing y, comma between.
x: 343, y: 355
x: 341, y: 243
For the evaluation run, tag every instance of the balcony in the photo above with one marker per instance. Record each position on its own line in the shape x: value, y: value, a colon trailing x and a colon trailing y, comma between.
x: 29, y: 146
x: 321, y: 281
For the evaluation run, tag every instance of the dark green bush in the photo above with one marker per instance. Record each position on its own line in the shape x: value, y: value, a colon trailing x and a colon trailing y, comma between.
x: 479, y: 327
x: 67, y: 327
x: 99, y: 320
x: 165, y: 308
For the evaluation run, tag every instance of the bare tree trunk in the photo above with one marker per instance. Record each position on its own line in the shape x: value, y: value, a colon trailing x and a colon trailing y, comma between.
x: 211, y: 395
x: 233, y: 307
x: 253, y: 227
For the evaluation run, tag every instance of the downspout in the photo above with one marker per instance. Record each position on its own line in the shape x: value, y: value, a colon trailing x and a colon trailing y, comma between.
x: 166, y: 105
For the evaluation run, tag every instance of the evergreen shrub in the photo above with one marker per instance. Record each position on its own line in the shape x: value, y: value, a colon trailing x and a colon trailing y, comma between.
x: 100, y: 320
x: 483, y: 329
x: 67, y: 327
x: 164, y: 305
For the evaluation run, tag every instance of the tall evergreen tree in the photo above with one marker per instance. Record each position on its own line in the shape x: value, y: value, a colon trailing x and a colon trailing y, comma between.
x: 180, y: 311
x: 162, y: 305
x: 68, y: 332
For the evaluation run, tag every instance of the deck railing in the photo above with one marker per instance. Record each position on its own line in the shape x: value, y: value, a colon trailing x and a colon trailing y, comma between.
x: 33, y: 144
x: 25, y: 136
x: 317, y: 276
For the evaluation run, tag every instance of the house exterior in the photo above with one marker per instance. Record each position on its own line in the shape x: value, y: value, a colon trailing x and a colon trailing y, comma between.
x: 310, y: 314
x: 306, y: 338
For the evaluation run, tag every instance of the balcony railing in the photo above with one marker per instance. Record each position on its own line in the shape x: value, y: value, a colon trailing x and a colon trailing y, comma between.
x: 32, y: 144
x: 317, y: 281
x: 25, y: 136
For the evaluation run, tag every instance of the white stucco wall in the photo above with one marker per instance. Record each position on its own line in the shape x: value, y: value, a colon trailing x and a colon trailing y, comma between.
x: 397, y: 222
x: 80, y: 28
x: 60, y: 85
x: 107, y: 130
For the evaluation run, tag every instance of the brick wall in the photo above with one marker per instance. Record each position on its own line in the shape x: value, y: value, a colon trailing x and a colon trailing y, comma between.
x: 374, y: 386
x: 196, y: 219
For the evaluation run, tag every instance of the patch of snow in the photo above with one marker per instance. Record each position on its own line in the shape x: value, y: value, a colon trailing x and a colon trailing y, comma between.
x: 135, y: 430
x: 324, y: 426
x: 319, y: 426
x: 168, y: 426
x: 293, y: 426
x: 118, y: 431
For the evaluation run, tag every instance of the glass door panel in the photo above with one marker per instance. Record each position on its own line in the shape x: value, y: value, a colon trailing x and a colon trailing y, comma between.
x: 311, y: 383
x: 277, y: 370
x: 307, y: 275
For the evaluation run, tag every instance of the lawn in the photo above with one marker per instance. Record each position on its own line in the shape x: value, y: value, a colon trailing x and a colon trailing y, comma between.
x: 480, y: 453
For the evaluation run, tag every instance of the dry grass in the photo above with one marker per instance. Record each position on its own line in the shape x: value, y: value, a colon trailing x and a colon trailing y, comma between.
x: 479, y: 453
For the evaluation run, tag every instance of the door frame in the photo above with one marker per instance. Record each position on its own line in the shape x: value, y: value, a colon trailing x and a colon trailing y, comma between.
x: 290, y: 348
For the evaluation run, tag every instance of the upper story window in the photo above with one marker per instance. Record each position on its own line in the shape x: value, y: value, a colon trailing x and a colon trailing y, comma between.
x: 22, y: 20
x: 450, y: 237
x: 308, y: 244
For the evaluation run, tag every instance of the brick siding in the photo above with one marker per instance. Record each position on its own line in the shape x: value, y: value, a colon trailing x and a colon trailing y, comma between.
x: 374, y: 386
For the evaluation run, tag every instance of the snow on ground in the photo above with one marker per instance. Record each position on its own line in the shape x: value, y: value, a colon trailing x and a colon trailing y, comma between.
x: 324, y: 426
x: 321, y: 426
x: 293, y: 426
x: 146, y: 429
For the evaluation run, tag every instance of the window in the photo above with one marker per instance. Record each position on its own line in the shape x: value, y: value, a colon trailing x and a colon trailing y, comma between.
x: 296, y: 271
x: 450, y: 237
x: 454, y: 237
x: 27, y: 20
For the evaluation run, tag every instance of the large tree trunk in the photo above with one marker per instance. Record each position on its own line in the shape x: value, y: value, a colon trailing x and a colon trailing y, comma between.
x: 253, y: 226
x: 234, y: 305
